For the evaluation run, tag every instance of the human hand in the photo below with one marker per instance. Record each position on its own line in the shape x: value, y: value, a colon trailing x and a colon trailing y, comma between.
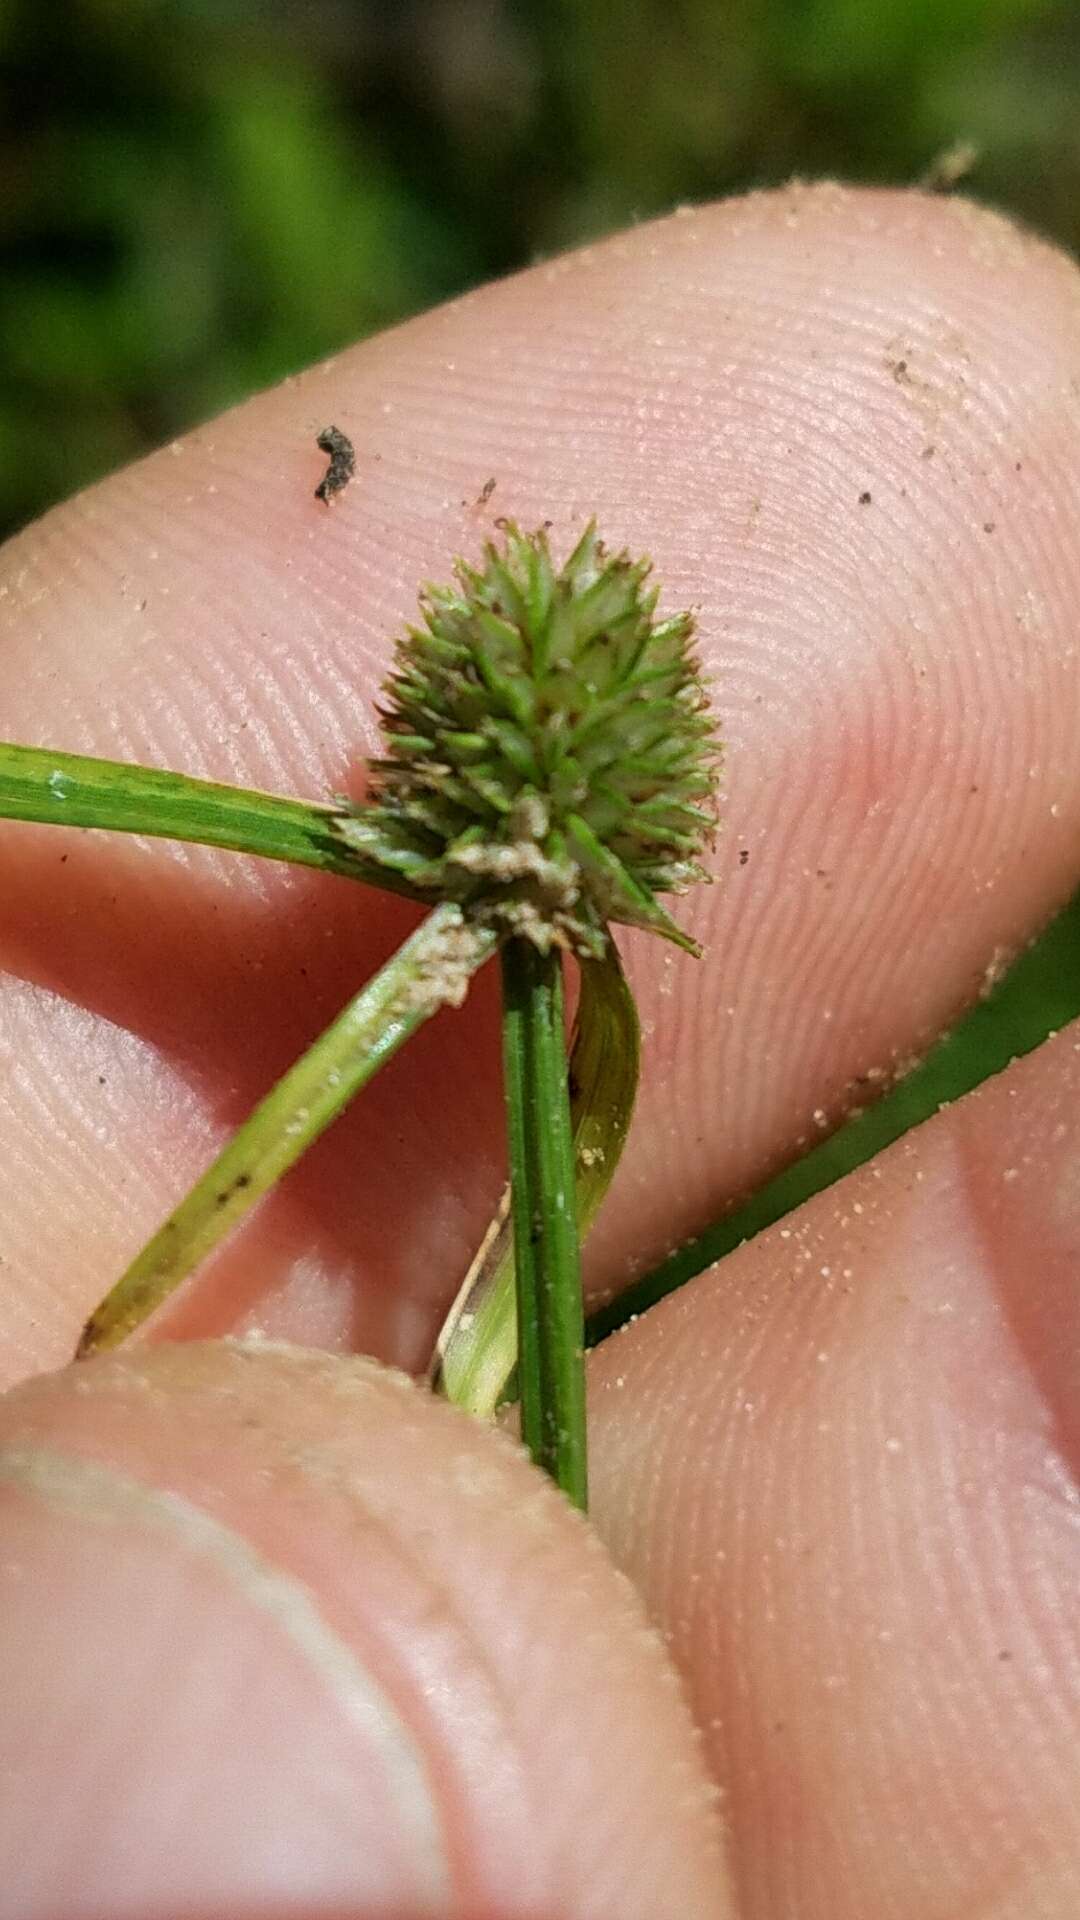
x: 281, y: 1634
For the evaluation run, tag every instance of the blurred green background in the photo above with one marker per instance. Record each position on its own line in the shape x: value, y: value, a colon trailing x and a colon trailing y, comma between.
x: 199, y: 196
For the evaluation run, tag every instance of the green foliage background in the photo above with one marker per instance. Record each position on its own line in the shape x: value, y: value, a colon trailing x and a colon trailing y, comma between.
x: 199, y: 196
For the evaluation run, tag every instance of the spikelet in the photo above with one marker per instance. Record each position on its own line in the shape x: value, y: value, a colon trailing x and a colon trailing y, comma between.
x: 550, y: 761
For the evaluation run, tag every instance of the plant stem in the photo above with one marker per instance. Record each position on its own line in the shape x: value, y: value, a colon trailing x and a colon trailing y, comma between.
x: 476, y: 1352
x: 546, y: 1252
x: 432, y: 969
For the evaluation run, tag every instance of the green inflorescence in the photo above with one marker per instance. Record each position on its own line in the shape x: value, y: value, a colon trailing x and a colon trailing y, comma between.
x: 550, y: 763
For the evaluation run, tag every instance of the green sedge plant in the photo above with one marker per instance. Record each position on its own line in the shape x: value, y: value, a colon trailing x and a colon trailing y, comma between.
x: 549, y: 769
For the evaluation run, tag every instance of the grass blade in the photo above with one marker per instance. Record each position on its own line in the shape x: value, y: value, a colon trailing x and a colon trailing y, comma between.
x: 73, y: 790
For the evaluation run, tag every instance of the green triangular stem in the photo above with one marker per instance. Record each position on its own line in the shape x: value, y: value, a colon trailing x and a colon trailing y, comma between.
x: 476, y: 1353
x: 547, y: 1254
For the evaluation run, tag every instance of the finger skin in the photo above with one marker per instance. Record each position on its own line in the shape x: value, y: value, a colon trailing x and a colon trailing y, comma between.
x: 281, y: 1629
x: 845, y: 426
x: 842, y: 1468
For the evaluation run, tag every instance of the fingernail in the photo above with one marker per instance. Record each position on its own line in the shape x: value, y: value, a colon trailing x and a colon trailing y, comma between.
x: 180, y: 1718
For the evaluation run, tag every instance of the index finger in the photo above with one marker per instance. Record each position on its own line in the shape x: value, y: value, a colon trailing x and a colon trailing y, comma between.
x: 844, y: 424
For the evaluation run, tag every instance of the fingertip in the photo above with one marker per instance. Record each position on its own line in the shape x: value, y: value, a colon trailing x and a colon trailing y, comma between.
x: 312, y: 1637
x: 842, y: 1468
x: 843, y: 422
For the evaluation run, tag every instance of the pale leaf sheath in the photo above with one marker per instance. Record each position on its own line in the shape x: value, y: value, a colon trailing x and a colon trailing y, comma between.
x: 432, y: 969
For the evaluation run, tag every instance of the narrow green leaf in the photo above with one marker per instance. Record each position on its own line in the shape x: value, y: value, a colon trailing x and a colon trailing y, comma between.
x: 72, y: 790
x: 432, y: 969
x: 477, y: 1349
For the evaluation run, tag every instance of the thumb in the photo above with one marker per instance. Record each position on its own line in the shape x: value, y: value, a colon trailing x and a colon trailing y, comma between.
x: 281, y: 1632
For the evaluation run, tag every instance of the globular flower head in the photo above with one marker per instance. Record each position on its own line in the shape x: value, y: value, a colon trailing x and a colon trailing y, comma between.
x: 550, y: 761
